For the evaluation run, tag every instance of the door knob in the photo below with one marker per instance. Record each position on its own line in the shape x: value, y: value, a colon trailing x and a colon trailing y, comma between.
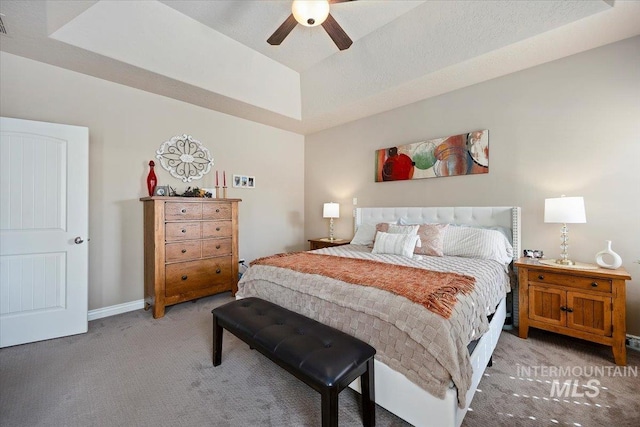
x: 78, y: 240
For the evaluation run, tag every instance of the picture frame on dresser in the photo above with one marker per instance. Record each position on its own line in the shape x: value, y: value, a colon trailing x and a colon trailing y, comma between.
x: 190, y: 249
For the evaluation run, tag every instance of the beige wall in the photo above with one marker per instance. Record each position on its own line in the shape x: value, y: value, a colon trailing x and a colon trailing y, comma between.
x: 567, y: 127
x: 126, y: 127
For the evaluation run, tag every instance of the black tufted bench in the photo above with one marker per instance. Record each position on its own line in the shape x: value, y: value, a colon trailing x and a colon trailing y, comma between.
x: 325, y: 358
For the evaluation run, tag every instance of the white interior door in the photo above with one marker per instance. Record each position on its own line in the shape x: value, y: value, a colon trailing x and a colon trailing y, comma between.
x: 43, y: 230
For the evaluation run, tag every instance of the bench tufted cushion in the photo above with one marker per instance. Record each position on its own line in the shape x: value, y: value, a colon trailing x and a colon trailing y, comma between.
x: 315, y: 352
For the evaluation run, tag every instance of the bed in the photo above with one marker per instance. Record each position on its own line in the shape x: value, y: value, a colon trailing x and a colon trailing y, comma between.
x: 424, y: 373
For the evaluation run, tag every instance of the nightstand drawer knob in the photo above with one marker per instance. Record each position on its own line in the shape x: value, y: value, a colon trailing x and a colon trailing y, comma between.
x: 217, y: 210
x: 594, y: 284
x: 184, y: 277
x: 217, y: 228
x: 218, y: 271
x: 217, y: 246
x: 183, y: 210
x: 183, y: 230
x: 184, y: 251
x: 541, y: 277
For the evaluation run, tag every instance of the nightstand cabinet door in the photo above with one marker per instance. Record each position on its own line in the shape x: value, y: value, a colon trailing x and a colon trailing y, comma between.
x: 589, y: 313
x: 547, y: 305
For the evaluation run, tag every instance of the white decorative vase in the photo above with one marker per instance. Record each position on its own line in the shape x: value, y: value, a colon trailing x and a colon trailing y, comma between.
x: 617, y: 261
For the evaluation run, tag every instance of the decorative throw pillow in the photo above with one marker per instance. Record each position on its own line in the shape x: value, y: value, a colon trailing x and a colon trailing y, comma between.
x: 432, y: 239
x: 386, y: 227
x: 396, y: 244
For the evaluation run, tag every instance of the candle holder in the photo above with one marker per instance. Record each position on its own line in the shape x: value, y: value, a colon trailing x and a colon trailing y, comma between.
x: 217, y: 192
x: 224, y: 192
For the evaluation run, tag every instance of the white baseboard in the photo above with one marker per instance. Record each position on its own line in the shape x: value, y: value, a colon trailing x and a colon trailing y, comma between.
x: 633, y: 342
x: 126, y: 307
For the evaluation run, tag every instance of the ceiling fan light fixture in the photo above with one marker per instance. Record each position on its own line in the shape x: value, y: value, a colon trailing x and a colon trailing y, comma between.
x: 310, y: 13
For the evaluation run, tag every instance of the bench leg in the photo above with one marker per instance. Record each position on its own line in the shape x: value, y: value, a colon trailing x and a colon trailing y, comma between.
x: 217, y: 342
x: 367, y: 386
x: 330, y: 407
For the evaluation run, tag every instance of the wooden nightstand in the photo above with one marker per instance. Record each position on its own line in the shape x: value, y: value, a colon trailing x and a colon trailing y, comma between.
x: 586, y: 304
x: 326, y: 243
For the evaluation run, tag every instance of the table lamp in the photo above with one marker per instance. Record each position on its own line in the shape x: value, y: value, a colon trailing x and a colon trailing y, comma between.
x: 331, y: 210
x: 564, y: 210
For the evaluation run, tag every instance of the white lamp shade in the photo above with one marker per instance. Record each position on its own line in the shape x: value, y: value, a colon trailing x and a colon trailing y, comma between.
x: 310, y: 13
x: 565, y: 210
x: 331, y: 210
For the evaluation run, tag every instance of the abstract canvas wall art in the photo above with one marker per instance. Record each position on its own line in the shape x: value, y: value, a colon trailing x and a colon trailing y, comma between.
x: 463, y: 154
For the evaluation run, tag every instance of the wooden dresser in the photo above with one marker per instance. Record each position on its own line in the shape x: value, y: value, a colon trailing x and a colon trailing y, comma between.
x: 190, y: 249
x: 587, y: 304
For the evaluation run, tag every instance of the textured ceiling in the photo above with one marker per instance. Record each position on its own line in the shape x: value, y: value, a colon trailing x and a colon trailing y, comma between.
x: 214, y: 53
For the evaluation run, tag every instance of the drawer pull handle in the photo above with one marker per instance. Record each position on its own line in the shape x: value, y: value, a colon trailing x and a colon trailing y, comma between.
x: 217, y: 246
x: 217, y: 228
x: 184, y: 277
x: 594, y: 284
x: 563, y: 308
x: 183, y: 210
x: 218, y: 271
x: 569, y: 310
x: 184, y: 231
x: 217, y: 210
x: 541, y: 277
x: 184, y: 251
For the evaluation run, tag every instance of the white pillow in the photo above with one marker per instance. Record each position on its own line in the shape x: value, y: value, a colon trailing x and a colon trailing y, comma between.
x: 477, y: 243
x: 398, y: 229
x: 364, y: 235
x: 396, y: 244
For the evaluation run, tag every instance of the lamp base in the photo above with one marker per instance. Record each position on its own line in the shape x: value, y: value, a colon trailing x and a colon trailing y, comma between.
x: 331, y: 230
x: 565, y: 262
x: 576, y: 265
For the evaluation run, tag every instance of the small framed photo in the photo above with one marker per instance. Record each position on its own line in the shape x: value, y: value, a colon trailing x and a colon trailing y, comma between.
x: 161, y: 190
x: 244, y: 181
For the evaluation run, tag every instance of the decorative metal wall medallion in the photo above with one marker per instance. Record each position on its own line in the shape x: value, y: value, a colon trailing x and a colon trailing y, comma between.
x: 185, y: 158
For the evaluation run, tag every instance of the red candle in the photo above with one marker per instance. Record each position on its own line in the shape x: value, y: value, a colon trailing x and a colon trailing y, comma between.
x: 224, y: 179
x: 216, y: 178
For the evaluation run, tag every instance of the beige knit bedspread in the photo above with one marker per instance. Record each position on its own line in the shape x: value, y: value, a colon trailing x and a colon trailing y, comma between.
x: 434, y: 290
x: 427, y: 348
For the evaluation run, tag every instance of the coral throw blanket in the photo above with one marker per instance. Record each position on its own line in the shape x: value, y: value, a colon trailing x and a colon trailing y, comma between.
x: 435, y: 290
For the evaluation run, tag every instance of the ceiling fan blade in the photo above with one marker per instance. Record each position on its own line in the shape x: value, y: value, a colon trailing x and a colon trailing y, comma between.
x: 283, y: 30
x: 337, y: 34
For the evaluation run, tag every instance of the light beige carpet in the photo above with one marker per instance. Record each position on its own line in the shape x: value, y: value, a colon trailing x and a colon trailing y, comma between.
x: 132, y: 370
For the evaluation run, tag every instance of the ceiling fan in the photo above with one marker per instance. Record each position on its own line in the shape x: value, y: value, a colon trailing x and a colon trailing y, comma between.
x: 312, y: 13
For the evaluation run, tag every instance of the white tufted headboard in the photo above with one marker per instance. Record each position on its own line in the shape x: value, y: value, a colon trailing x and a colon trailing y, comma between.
x: 504, y: 216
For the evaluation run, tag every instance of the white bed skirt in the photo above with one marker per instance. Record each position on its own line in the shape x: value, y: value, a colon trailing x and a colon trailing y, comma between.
x: 398, y: 395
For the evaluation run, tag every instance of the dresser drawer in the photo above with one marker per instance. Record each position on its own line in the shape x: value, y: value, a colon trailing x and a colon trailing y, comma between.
x: 196, y: 275
x: 182, y: 211
x: 213, y: 229
x: 216, y: 247
x: 571, y: 281
x: 216, y: 211
x: 182, y: 231
x: 183, y: 251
